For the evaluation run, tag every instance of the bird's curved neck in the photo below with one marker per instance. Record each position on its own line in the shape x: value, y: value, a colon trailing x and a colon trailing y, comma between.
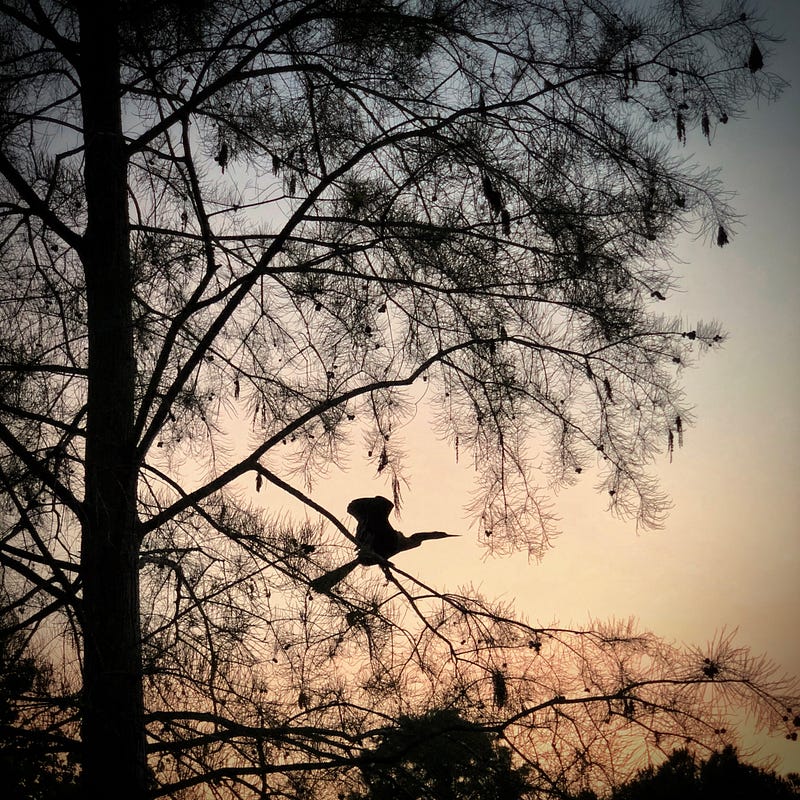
x: 404, y: 542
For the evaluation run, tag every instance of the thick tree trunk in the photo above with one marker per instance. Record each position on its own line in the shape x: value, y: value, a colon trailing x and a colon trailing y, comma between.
x: 114, y: 762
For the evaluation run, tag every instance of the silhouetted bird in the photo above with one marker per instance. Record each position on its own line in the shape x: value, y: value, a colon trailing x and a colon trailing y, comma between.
x: 376, y: 539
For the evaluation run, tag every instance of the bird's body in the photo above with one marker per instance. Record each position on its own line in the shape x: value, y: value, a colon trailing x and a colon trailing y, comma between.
x: 376, y: 539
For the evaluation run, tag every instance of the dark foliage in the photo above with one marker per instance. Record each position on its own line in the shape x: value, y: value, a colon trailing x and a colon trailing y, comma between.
x: 722, y: 775
x: 444, y: 756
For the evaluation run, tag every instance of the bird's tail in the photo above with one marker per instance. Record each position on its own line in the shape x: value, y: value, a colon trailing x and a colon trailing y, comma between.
x: 327, y: 581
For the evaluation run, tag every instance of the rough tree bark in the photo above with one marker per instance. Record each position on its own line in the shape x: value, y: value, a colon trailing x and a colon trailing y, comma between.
x: 113, y: 732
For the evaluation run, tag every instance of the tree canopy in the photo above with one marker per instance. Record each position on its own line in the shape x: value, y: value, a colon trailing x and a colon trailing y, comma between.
x: 721, y: 775
x: 441, y: 755
x: 240, y: 242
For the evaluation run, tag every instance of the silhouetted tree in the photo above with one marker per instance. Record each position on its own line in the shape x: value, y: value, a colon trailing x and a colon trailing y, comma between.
x: 299, y: 213
x: 441, y: 755
x: 722, y: 776
x: 32, y: 766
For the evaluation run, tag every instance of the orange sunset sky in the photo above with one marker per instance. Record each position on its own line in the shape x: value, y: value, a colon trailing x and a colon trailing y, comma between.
x: 729, y: 554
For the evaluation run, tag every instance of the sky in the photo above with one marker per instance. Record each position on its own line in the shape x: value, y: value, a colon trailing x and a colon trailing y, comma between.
x: 728, y: 556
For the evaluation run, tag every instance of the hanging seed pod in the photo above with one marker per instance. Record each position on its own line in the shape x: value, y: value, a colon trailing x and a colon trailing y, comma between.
x: 259, y: 481
x: 755, y: 60
x: 679, y: 429
x: 680, y: 127
x: 722, y: 237
x: 482, y: 104
x: 276, y: 164
x: 607, y: 387
x: 493, y: 197
x: 706, y: 127
x: 499, y: 689
x: 222, y: 156
x: 488, y: 188
x: 383, y: 460
x: 723, y: 118
x: 505, y: 221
